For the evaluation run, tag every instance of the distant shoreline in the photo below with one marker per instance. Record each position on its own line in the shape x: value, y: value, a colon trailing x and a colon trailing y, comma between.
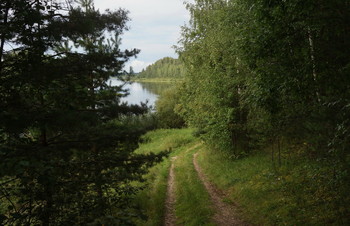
x: 166, y: 80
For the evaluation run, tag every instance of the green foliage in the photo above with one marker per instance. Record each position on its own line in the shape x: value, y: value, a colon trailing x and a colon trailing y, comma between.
x: 283, y: 61
x: 164, y: 68
x: 212, y: 97
x: 66, y: 141
x: 166, y: 106
x: 259, y: 72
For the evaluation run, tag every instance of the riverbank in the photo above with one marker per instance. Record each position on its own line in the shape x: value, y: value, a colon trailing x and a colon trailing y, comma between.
x: 156, y: 80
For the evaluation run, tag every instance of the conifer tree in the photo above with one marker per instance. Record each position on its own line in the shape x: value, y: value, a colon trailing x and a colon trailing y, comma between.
x: 66, y: 148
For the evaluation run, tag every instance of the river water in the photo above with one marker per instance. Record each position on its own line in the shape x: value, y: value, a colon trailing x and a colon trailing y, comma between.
x: 141, y: 92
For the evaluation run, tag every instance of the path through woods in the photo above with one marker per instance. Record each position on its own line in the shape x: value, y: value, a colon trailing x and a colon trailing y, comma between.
x: 225, y: 213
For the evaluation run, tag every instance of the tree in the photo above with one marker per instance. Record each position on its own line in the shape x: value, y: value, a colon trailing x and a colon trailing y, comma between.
x: 282, y: 60
x: 166, y: 109
x: 66, y: 149
x: 261, y: 72
x: 214, y: 87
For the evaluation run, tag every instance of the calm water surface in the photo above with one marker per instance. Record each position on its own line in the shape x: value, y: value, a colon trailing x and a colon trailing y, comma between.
x: 138, y: 93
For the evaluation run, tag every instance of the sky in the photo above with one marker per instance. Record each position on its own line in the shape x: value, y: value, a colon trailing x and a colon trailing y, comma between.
x: 155, y: 27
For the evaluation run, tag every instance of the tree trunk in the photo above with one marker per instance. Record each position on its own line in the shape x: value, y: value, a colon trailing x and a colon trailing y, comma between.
x: 313, y: 62
x: 2, y: 44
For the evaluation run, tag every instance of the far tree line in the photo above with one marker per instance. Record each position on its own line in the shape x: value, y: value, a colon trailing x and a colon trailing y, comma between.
x: 166, y: 67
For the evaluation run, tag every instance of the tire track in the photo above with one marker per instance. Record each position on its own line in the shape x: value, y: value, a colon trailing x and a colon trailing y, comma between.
x: 225, y: 213
x: 170, y: 217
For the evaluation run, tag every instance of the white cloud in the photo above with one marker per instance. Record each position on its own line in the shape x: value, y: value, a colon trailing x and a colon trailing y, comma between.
x: 155, y: 27
x: 137, y: 65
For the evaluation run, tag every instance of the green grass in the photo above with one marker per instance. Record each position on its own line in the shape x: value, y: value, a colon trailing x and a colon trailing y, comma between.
x: 192, y: 199
x: 165, y: 139
x: 242, y: 180
x: 297, y: 193
x: 152, y: 198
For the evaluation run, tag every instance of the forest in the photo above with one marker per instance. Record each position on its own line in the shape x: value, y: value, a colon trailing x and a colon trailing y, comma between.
x: 261, y: 106
x: 166, y: 67
x: 261, y: 70
x: 274, y: 75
